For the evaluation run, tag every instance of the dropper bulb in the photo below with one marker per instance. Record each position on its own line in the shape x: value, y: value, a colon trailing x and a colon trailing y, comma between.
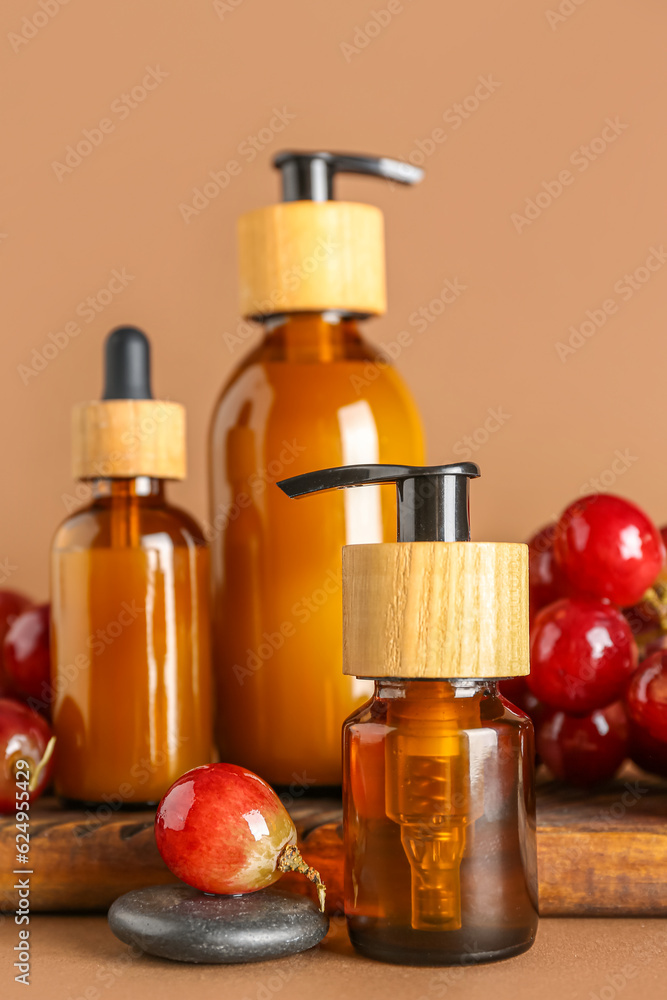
x: 127, y: 364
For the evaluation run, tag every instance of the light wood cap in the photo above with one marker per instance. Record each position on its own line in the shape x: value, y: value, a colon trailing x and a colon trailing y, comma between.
x: 122, y: 438
x: 312, y: 256
x: 435, y: 609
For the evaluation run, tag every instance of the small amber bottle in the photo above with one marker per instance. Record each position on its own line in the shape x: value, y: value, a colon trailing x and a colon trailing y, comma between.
x: 129, y: 585
x: 438, y: 769
x: 313, y: 393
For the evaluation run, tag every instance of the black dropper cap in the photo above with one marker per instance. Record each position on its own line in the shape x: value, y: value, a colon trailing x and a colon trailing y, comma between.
x: 309, y: 176
x: 432, y: 501
x: 127, y: 364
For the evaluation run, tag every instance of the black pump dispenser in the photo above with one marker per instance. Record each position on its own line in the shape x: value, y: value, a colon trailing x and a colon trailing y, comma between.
x: 309, y: 176
x: 127, y: 364
x: 432, y: 501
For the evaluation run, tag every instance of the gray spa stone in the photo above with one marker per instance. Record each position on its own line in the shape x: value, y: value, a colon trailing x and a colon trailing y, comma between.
x: 178, y: 922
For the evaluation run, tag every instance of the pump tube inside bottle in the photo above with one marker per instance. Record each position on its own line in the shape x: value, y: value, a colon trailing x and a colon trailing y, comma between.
x: 427, y: 792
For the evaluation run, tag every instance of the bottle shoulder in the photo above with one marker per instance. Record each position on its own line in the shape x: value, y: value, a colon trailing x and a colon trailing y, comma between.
x: 510, y: 714
x: 268, y: 380
x: 494, y: 711
x: 371, y: 713
x: 95, y: 525
x: 183, y: 524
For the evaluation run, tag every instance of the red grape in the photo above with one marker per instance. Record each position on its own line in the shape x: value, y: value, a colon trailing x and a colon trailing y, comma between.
x: 544, y: 575
x: 11, y: 605
x: 223, y: 830
x: 584, y: 750
x: 646, y: 696
x: 607, y: 547
x: 647, y: 752
x: 646, y: 701
x: 24, y: 736
x: 26, y: 655
x: 582, y: 655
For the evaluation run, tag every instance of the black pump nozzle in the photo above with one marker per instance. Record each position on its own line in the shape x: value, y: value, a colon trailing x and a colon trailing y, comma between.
x: 309, y: 176
x: 127, y: 364
x: 432, y: 500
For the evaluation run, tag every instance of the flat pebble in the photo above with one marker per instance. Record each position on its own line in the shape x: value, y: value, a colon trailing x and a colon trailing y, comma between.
x: 181, y: 923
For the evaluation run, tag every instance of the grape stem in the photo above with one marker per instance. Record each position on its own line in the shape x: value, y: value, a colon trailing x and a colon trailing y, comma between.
x: 290, y: 860
x: 46, y: 757
x: 654, y: 597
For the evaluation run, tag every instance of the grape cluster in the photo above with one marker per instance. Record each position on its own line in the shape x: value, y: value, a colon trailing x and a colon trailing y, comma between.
x: 597, y: 584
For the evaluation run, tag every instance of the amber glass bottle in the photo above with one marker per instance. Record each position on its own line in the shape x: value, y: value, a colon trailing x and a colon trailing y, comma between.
x: 439, y: 809
x: 313, y: 393
x: 440, y: 824
x: 282, y: 696
x: 129, y: 582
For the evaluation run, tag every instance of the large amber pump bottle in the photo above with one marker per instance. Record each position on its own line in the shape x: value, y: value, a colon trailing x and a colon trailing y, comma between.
x: 438, y: 771
x: 130, y: 599
x: 313, y: 393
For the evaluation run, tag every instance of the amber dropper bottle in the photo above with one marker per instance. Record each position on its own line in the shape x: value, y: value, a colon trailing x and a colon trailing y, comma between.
x: 313, y: 393
x: 439, y: 808
x: 129, y: 585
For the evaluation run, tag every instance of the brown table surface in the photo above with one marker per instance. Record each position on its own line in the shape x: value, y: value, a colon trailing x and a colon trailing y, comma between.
x: 77, y: 957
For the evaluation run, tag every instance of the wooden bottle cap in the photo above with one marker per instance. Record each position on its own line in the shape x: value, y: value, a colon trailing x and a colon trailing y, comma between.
x: 123, y: 438
x: 436, y: 609
x: 308, y: 256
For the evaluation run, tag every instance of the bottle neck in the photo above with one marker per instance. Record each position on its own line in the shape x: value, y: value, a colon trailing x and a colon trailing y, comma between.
x: 459, y: 687
x: 112, y: 490
x: 309, y: 337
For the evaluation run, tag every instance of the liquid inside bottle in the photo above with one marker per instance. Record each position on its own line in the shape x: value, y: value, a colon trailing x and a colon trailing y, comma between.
x: 313, y: 395
x: 439, y: 824
x: 130, y: 645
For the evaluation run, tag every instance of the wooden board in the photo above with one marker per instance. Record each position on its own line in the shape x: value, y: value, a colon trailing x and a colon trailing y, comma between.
x: 83, y: 860
x: 601, y: 855
x: 606, y: 854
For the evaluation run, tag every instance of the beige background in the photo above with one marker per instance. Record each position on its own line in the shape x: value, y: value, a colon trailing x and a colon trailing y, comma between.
x: 78, y: 957
x: 556, y: 79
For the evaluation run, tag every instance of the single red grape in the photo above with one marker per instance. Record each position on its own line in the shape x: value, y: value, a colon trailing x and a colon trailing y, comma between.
x: 27, y: 655
x: 24, y: 736
x: 607, y: 547
x: 544, y: 576
x: 582, y: 655
x: 646, y: 702
x: 584, y: 750
x: 646, y: 696
x: 11, y: 605
x: 223, y: 830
